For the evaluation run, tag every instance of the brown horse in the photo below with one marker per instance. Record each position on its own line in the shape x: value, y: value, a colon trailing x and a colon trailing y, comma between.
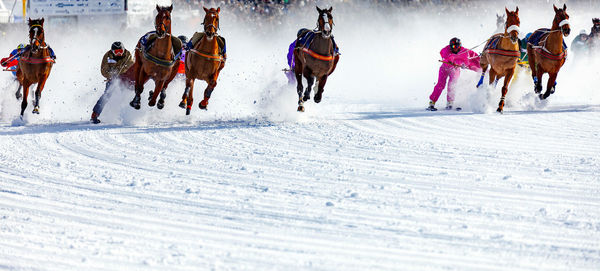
x: 502, y: 52
x: 204, y: 61
x: 156, y: 59
x: 35, y: 64
x: 547, y: 53
x: 315, y: 55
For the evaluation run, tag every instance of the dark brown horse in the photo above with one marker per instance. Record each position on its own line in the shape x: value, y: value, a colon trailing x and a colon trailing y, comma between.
x: 315, y: 57
x: 502, y: 52
x: 35, y: 64
x: 547, y: 53
x: 156, y: 60
x: 204, y: 61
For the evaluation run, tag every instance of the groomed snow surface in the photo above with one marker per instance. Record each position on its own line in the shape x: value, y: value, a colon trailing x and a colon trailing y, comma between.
x: 365, y: 180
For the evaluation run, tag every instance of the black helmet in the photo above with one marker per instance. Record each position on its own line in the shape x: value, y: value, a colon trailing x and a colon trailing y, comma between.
x: 116, y: 45
x: 182, y: 38
x: 455, y: 43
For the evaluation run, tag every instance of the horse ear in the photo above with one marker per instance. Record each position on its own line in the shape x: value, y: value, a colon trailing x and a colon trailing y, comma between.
x: 218, y: 9
x: 555, y: 9
x: 170, y: 9
x: 157, y: 8
x: 517, y: 11
x: 564, y: 7
x: 507, y: 12
x: 319, y: 10
x: 29, y: 21
x: 330, y: 9
x: 42, y: 22
x: 205, y: 9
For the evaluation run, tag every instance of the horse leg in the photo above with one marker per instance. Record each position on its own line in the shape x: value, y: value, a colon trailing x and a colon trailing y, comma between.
x: 298, y: 68
x: 310, y: 82
x: 188, y: 96
x: 140, y: 79
x: 158, y: 86
x: 483, y: 62
x: 492, y: 76
x: 537, y: 81
x: 18, y: 93
x: 507, y: 79
x: 38, y: 94
x: 321, y: 88
x: 25, y: 94
x: 207, y: 92
x: 537, y: 78
x: 161, y: 100
x: 551, y: 86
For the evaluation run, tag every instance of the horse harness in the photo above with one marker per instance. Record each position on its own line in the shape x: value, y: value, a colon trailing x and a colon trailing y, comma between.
x: 309, y: 37
x: 543, y: 51
x: 492, y: 47
x: 212, y: 57
x: 36, y: 60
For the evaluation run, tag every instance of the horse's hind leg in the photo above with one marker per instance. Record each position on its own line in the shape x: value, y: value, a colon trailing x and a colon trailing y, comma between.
x: 483, y: 62
x: 207, y: 93
x: 158, y: 86
x: 18, y: 93
x: 299, y: 87
x: 507, y: 79
x: 187, y: 100
x: 140, y: 79
x: 321, y: 88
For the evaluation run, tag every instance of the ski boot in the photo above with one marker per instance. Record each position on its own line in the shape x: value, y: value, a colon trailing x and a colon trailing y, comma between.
x: 431, y: 106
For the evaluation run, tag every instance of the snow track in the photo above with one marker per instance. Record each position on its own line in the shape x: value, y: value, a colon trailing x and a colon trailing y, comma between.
x: 366, y: 190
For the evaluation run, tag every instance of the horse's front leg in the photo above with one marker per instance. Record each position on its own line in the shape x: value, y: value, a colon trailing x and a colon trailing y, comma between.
x: 158, y: 87
x: 212, y: 84
x: 320, y: 89
x: 550, y: 87
x: 310, y: 79
x: 38, y: 94
x: 18, y: 93
x: 26, y: 86
x: 299, y: 87
x: 537, y: 80
x: 507, y: 79
x: 140, y: 79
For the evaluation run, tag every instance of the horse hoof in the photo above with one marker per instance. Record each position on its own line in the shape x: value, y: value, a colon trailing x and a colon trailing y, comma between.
x: 300, y: 108
x: 135, y: 105
x: 500, y: 110
x: 317, y: 98
x: 160, y: 105
x: 203, y: 104
x: 182, y: 104
x: 36, y: 111
x: 150, y: 94
x: 151, y: 104
x: 188, y: 111
x: 18, y: 95
x: 305, y: 98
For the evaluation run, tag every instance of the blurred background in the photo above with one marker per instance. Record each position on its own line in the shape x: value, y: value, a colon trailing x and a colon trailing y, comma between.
x: 390, y: 52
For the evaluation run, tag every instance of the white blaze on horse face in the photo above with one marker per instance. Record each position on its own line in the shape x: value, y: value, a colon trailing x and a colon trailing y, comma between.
x: 326, y: 26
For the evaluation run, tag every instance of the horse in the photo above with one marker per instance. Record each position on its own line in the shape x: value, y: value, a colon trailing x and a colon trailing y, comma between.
x: 156, y: 60
x: 35, y: 64
x: 501, y: 52
x: 500, y: 24
x: 547, y: 51
x: 315, y: 55
x: 593, y: 41
x: 204, y: 61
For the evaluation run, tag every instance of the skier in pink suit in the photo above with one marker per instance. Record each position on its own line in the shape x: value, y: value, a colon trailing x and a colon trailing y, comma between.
x: 454, y: 57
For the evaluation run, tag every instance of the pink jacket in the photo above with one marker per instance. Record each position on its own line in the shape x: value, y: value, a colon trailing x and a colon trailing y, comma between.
x: 464, y: 58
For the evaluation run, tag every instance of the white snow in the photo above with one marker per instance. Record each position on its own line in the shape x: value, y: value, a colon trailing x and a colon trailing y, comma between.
x: 365, y: 180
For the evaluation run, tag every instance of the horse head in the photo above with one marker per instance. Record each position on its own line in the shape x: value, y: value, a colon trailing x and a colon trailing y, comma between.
x: 325, y: 22
x: 162, y: 22
x: 211, y: 22
x: 512, y: 25
x: 561, y: 20
x: 595, y: 27
x: 36, y: 34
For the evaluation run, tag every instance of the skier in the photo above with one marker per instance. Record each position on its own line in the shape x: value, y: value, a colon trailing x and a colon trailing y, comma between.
x: 115, y: 63
x: 11, y: 62
x: 454, y: 57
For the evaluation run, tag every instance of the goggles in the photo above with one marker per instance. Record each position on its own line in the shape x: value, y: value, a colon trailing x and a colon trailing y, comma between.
x: 118, y: 52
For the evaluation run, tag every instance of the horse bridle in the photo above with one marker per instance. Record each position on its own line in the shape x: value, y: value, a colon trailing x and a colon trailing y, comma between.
x: 327, y: 25
x: 208, y: 26
x: 157, y: 27
x: 35, y: 28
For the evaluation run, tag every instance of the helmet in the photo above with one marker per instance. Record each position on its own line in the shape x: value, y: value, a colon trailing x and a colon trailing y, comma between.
x: 582, y: 32
x: 116, y: 45
x: 596, y: 21
x: 183, y: 39
x: 20, y: 46
x: 455, y: 44
x: 117, y: 48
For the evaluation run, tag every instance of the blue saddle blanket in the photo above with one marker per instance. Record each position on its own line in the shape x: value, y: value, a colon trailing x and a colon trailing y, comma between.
x: 306, y: 37
x: 538, y: 35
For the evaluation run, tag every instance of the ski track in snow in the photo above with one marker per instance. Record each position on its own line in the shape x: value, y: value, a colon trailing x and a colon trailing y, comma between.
x: 363, y: 190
